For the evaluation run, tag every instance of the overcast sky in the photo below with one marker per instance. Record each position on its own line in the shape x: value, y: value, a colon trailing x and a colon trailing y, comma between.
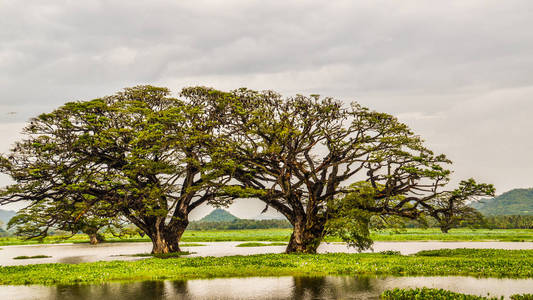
x: 460, y: 73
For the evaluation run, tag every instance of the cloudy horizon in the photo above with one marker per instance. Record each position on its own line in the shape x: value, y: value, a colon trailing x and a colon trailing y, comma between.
x: 459, y: 73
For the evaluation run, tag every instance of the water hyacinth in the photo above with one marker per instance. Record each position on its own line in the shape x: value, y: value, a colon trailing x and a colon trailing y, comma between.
x: 460, y: 262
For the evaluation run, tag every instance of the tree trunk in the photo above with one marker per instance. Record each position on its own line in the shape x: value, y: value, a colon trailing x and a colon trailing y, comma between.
x: 306, y: 236
x: 444, y: 228
x: 93, y: 238
x: 167, y: 238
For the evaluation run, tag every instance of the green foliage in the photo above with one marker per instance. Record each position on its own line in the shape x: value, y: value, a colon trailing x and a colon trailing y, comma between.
x: 162, y: 255
x: 191, y: 245
x: 451, y: 208
x: 31, y: 257
x: 283, y: 235
x: 428, y: 294
x: 350, y: 220
x: 140, y: 153
x: 480, y: 263
x: 481, y: 253
x: 299, y: 154
x: 38, y: 219
x: 145, y: 156
x: 509, y: 222
x: 522, y: 297
x: 513, y: 202
x: 239, y: 224
x: 390, y: 252
x: 463, y: 234
x: 252, y: 244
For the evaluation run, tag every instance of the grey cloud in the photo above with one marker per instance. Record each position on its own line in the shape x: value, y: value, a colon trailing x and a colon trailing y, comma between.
x: 459, y: 72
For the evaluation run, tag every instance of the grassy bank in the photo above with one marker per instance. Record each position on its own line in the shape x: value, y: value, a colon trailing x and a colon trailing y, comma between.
x: 282, y: 235
x: 441, y: 294
x: 430, y: 294
x: 256, y: 244
x: 466, y: 262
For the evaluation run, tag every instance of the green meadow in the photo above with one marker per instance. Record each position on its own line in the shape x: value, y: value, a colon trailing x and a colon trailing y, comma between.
x: 282, y: 235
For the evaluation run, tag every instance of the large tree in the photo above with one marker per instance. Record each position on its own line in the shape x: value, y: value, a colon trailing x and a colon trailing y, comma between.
x: 140, y: 152
x: 301, y: 156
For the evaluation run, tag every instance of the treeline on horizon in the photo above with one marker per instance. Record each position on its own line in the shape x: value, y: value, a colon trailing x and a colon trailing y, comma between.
x: 239, y: 224
x: 488, y: 222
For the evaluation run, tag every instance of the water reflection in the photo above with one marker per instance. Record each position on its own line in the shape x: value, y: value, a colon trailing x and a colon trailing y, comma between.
x: 330, y: 287
x: 140, y: 290
x: 79, y: 253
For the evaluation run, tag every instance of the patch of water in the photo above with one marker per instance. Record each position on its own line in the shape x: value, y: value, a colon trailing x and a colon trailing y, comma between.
x: 79, y: 253
x: 258, y: 288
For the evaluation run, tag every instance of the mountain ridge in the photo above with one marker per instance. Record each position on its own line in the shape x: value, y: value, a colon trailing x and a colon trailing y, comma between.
x: 219, y: 215
x: 5, y: 216
x: 513, y: 202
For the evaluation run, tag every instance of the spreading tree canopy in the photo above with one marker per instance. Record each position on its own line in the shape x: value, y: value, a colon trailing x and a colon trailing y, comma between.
x: 450, y: 208
x: 39, y: 218
x: 140, y: 153
x: 328, y: 168
x: 325, y: 166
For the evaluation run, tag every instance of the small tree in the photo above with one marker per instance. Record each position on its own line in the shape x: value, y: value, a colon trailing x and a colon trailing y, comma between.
x: 451, y: 208
x: 139, y: 152
x: 38, y: 219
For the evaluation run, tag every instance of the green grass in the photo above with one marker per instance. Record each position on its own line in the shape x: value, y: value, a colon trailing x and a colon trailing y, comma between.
x: 428, y: 294
x: 522, y: 297
x: 461, y: 262
x: 255, y: 244
x: 283, y: 235
x: 461, y: 234
x: 31, y: 257
x: 191, y: 245
x: 245, y: 235
x: 162, y: 255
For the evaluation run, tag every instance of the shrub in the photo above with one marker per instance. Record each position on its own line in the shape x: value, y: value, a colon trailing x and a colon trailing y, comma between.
x: 390, y: 252
x: 522, y: 297
x: 31, y: 257
x: 429, y: 294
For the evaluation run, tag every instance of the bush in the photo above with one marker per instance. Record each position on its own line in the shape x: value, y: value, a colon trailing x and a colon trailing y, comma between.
x: 390, y: 252
x: 522, y: 297
x: 31, y: 257
x: 429, y: 294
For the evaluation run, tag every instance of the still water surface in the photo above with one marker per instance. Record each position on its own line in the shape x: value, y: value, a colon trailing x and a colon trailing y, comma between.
x: 331, y: 287
x: 78, y: 253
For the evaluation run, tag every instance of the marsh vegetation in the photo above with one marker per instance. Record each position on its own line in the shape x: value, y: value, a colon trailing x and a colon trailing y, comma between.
x: 463, y: 262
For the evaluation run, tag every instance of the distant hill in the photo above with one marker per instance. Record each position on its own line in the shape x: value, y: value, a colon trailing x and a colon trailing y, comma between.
x: 513, y: 202
x: 6, y: 215
x: 219, y: 215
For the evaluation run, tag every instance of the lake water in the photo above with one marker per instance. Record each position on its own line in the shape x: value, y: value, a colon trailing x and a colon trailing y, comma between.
x: 78, y: 253
x: 330, y: 287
